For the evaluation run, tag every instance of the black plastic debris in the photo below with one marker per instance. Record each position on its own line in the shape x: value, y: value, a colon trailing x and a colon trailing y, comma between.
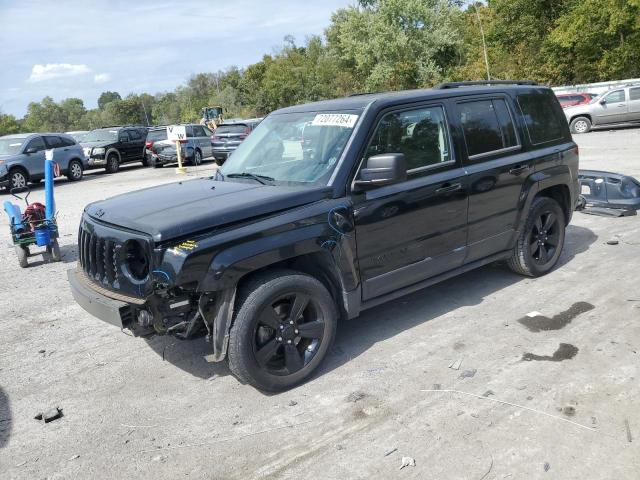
x: 608, y: 193
x: 50, y: 415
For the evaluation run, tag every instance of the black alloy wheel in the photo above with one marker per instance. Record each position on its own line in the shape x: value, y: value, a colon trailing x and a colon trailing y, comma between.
x: 540, y: 239
x: 283, y: 328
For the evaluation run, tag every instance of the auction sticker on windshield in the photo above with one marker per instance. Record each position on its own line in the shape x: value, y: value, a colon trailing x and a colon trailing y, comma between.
x: 335, y: 120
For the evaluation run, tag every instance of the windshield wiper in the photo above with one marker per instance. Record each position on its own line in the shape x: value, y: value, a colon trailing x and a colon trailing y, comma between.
x: 258, y: 178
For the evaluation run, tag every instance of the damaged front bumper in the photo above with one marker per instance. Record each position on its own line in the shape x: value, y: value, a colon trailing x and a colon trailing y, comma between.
x: 116, y: 311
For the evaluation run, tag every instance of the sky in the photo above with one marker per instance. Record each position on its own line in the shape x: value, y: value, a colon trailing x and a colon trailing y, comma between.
x: 79, y: 49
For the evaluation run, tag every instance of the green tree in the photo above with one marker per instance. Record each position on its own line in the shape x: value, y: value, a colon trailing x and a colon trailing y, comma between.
x: 107, y: 97
x: 72, y: 111
x: 8, y: 124
x: 396, y: 44
x: 46, y: 115
x: 595, y: 40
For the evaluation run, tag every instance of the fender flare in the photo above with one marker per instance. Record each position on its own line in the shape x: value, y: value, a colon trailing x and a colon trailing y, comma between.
x: 110, y: 151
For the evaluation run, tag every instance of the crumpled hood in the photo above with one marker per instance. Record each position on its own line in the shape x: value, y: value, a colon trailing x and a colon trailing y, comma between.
x: 183, y: 208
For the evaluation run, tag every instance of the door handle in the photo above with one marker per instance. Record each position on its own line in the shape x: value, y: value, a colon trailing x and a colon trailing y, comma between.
x: 448, y: 188
x: 519, y: 169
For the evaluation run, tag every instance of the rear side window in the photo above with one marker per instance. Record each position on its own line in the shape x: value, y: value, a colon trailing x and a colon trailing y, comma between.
x: 542, y: 115
x: 198, y: 131
x: 53, y: 142
x: 487, y: 126
x: 634, y: 93
x: 67, y: 142
x: 134, y: 135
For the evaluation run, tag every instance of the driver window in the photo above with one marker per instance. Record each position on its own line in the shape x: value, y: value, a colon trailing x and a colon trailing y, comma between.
x: 420, y: 134
x: 36, y: 143
x: 617, y: 96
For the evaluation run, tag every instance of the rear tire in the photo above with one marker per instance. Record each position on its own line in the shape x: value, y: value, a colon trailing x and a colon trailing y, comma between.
x: 540, y: 240
x: 23, y: 255
x: 284, y: 326
x: 113, y: 163
x: 580, y: 125
x: 74, y: 171
x: 197, y: 158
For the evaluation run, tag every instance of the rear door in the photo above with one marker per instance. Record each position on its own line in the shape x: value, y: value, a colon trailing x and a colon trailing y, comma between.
x: 416, y: 229
x: 136, y: 144
x: 60, y: 150
x: 202, y: 139
x: 634, y: 105
x: 497, y: 166
x: 611, y: 108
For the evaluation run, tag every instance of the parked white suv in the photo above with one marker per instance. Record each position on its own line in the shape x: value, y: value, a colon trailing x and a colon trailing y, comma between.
x: 618, y: 106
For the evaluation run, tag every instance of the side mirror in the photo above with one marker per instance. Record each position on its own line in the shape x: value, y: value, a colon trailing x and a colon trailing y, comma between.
x: 383, y: 169
x: 602, y: 101
x: 31, y: 150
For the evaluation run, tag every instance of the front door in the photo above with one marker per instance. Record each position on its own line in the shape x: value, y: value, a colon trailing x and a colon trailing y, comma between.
x: 202, y: 140
x: 611, y: 108
x: 416, y: 229
x: 35, y: 161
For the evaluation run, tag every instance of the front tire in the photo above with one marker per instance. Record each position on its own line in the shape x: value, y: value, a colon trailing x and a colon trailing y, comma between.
x: 23, y: 255
x: 113, y: 163
x: 285, y: 323
x: 540, y: 240
x: 580, y: 125
x: 74, y: 171
x: 17, y: 178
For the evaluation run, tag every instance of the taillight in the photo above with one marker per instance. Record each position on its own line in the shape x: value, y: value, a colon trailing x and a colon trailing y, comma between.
x: 215, y: 138
x: 149, y: 144
x: 183, y: 141
x: 245, y: 132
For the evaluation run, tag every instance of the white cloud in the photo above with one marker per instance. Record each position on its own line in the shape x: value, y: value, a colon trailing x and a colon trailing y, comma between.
x: 101, y: 78
x: 40, y: 73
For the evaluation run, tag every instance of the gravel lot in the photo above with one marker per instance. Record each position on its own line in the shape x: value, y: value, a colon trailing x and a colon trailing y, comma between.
x: 155, y: 409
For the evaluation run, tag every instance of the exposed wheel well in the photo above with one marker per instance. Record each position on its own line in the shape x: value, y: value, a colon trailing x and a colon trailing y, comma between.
x: 561, y: 194
x: 317, y: 265
x: 586, y: 115
x: 22, y: 169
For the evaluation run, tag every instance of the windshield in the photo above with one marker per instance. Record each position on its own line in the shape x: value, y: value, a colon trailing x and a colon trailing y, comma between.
x: 10, y: 146
x: 101, y: 136
x: 294, y: 147
x: 236, y: 128
x: 79, y: 136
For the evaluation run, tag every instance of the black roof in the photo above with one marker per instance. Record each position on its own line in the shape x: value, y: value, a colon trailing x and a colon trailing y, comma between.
x: 361, y: 101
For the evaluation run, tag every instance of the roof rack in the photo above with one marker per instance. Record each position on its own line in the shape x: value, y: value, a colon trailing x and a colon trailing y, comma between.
x: 488, y: 83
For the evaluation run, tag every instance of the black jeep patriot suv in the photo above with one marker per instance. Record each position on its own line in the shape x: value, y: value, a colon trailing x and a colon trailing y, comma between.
x: 328, y: 209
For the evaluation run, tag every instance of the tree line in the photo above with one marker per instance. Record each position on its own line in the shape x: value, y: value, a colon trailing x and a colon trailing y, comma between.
x: 379, y: 45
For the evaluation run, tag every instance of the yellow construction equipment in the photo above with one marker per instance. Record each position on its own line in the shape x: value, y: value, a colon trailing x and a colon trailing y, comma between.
x: 212, y: 116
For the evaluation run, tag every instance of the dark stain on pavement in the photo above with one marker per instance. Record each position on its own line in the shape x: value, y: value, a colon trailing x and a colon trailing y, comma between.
x: 541, y: 323
x: 565, y: 351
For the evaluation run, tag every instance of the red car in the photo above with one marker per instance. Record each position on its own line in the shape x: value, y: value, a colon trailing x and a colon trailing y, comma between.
x: 572, y: 99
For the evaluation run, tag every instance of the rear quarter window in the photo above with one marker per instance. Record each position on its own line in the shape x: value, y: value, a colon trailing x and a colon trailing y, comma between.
x: 543, y: 116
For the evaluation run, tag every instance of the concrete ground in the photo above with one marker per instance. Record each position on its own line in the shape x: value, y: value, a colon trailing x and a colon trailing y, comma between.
x: 555, y: 395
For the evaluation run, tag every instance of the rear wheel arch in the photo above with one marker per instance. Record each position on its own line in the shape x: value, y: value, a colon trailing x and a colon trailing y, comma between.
x: 561, y: 194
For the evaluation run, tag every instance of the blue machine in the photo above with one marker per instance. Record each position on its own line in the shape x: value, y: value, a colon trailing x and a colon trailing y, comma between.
x: 37, y: 224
